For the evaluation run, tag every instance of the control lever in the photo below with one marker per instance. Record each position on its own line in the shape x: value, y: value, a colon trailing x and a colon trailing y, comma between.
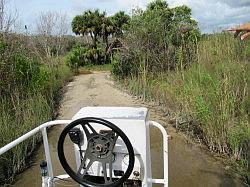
x: 76, y: 136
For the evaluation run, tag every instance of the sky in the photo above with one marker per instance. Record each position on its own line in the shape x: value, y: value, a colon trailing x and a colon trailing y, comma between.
x: 212, y: 15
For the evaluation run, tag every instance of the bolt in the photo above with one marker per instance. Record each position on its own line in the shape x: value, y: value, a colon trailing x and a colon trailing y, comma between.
x: 136, y: 173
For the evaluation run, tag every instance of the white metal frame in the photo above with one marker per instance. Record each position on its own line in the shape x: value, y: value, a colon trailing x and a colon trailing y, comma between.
x: 165, y: 137
x: 43, y: 128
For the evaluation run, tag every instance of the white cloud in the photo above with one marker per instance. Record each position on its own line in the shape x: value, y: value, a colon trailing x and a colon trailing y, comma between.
x: 217, y: 14
x: 111, y: 6
x: 130, y: 3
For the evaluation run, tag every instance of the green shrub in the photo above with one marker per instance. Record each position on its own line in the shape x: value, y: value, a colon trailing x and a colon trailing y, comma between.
x: 81, y: 56
x: 77, y: 57
x: 124, y: 66
x: 26, y: 70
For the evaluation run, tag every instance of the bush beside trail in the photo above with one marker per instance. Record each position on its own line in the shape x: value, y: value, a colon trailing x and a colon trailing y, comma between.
x: 82, y: 55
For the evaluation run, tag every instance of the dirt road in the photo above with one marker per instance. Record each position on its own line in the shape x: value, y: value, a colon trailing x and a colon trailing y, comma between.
x: 188, y: 164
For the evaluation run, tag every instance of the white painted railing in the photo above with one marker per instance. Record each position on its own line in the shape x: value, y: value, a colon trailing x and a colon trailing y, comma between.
x: 165, y: 137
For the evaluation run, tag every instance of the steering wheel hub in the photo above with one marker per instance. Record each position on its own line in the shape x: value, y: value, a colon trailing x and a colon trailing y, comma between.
x: 100, y: 146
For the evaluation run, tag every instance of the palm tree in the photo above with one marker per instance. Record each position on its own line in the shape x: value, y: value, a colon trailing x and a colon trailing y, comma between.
x: 107, y: 30
x: 120, y: 19
x: 89, y: 23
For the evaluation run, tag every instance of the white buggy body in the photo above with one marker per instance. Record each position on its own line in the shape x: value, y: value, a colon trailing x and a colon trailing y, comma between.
x: 133, y: 122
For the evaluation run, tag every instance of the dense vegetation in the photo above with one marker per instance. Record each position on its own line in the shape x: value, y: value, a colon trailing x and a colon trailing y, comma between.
x: 204, y: 80
x: 30, y: 91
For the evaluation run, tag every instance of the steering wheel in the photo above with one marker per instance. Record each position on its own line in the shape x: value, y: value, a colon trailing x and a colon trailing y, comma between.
x: 100, y: 148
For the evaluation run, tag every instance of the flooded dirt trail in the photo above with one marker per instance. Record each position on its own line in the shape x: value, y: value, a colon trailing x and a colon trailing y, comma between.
x: 189, y: 166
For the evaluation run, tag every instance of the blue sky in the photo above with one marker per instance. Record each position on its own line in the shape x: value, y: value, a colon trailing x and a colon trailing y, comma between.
x: 212, y: 15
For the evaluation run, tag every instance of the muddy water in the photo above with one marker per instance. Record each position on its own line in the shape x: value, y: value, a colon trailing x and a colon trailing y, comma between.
x: 189, y: 166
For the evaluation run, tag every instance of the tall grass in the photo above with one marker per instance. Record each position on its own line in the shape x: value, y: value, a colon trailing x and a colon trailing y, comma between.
x: 214, y: 91
x: 28, y: 114
x: 30, y: 91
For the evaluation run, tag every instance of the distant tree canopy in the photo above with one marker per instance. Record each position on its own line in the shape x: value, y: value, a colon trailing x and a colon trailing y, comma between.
x: 98, y: 24
x: 99, y: 27
x: 119, y: 20
x: 158, y: 4
x: 159, y: 38
x: 89, y: 23
x: 177, y: 20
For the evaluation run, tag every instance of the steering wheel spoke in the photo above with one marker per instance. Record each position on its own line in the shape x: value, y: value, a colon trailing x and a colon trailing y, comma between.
x: 105, y: 172
x: 114, y: 139
x: 91, y: 128
x: 84, y: 167
x: 88, y: 133
x: 110, y: 168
